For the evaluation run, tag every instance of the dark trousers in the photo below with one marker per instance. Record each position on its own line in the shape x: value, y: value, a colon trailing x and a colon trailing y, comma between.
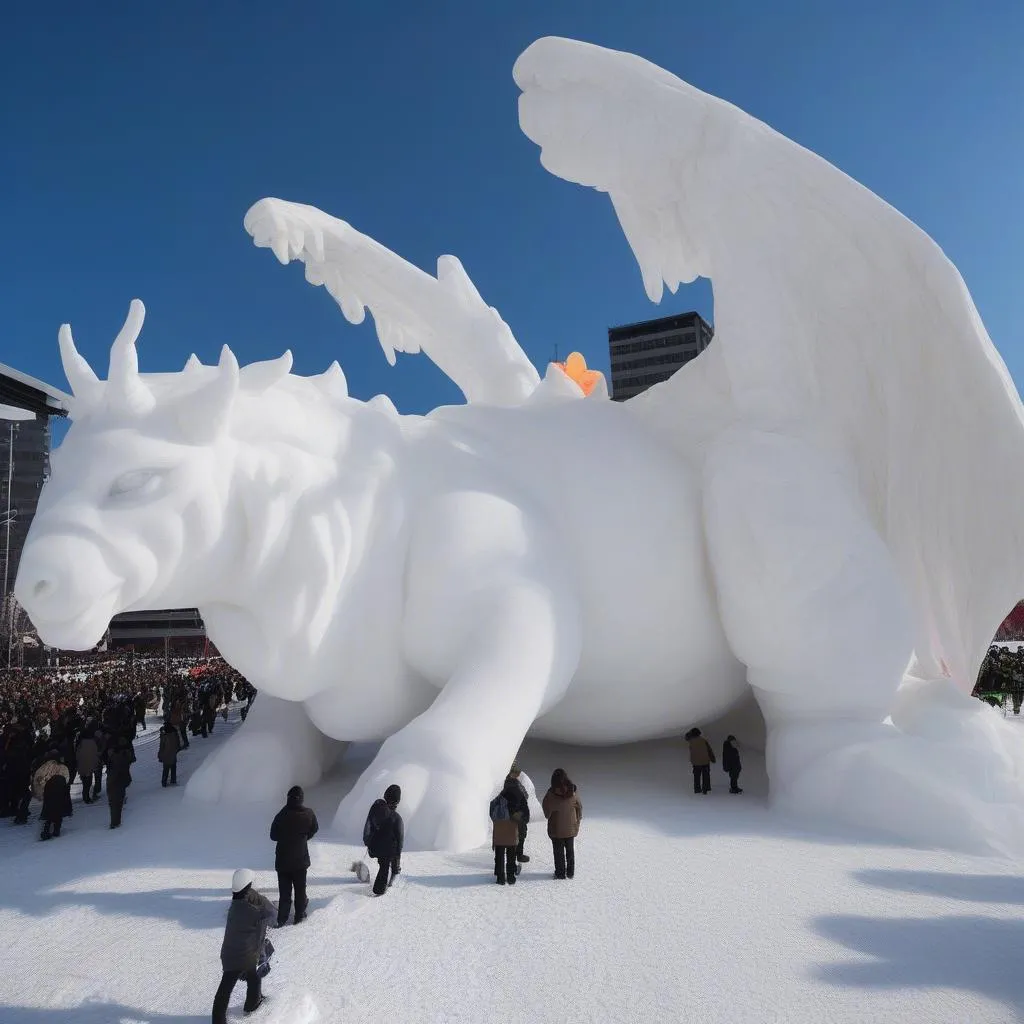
x: 701, y: 778
x: 227, y: 986
x: 387, y: 868
x: 734, y: 780
x: 565, y: 857
x: 505, y: 864
x: 286, y: 882
x: 115, y: 797
x: 51, y: 828
x: 21, y: 805
x: 523, y: 828
x: 183, y: 733
x: 169, y: 774
x: 97, y: 783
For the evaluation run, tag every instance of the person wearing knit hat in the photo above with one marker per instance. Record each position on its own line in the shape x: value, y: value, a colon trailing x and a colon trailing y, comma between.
x: 524, y: 819
x: 244, y: 953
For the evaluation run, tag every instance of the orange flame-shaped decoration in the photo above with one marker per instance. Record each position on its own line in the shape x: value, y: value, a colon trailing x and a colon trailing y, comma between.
x: 575, y: 368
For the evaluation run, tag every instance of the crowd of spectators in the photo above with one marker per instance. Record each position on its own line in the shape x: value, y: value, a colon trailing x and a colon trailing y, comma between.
x: 1001, y: 679
x: 82, y: 720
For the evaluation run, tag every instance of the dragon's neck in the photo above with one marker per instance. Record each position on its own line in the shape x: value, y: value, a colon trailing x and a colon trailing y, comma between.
x: 305, y: 522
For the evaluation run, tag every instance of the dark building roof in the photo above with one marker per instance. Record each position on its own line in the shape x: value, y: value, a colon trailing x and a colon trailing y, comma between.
x: 25, y: 392
x: 135, y: 627
x: 677, y: 321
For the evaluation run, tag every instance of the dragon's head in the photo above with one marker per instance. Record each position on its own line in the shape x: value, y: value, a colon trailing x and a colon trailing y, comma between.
x: 132, y: 514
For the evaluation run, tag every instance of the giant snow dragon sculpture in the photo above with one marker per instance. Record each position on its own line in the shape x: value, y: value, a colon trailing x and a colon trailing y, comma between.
x: 823, y: 507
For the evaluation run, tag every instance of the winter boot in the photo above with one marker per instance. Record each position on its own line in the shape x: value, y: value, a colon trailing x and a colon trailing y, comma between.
x: 522, y: 858
x: 45, y: 834
x: 56, y: 829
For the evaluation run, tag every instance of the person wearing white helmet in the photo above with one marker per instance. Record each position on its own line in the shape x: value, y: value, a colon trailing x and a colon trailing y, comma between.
x: 243, y: 953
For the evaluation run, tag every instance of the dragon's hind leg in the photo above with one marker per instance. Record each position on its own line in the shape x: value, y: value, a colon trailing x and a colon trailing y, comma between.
x: 812, y: 604
x: 275, y: 748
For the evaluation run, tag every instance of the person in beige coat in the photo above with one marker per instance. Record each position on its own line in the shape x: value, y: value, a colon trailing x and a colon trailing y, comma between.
x: 564, y: 812
x: 506, y: 811
x: 702, y: 757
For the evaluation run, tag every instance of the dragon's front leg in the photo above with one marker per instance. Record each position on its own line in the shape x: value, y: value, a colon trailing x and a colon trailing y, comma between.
x: 497, y: 618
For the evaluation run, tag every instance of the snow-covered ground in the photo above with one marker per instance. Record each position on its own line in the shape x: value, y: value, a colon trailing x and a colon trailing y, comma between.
x: 684, y: 908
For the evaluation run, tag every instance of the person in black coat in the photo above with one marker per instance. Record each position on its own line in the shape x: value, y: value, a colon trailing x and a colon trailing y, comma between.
x: 384, y: 835
x: 245, y: 934
x: 731, y: 763
x: 167, y: 754
x: 292, y: 828
x: 119, y: 757
x: 19, y: 770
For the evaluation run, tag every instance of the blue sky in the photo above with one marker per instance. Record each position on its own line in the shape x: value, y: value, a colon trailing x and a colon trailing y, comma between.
x: 133, y: 138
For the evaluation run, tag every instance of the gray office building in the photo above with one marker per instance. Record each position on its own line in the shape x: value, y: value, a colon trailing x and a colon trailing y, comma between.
x: 647, y: 353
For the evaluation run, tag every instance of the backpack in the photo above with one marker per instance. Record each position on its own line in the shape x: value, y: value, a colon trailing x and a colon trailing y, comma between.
x: 374, y: 820
x: 499, y: 808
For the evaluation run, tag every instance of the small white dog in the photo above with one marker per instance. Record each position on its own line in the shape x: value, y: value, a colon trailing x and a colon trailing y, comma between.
x: 361, y: 870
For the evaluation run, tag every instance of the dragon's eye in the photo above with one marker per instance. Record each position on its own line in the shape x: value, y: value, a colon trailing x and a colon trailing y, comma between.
x: 137, y: 483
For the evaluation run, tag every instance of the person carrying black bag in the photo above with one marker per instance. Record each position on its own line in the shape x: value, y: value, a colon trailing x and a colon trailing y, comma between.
x: 292, y: 828
x: 384, y: 837
x: 244, y: 952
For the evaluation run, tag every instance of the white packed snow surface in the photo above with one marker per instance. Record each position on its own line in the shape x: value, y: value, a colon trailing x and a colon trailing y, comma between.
x: 684, y: 908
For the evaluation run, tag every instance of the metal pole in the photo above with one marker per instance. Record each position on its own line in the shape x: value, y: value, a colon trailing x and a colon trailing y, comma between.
x: 7, y: 552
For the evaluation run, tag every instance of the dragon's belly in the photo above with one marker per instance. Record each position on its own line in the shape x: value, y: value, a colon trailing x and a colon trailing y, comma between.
x: 655, y: 661
x: 655, y: 657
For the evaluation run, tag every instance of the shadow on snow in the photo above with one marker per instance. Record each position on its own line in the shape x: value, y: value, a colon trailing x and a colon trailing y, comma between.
x: 975, y: 954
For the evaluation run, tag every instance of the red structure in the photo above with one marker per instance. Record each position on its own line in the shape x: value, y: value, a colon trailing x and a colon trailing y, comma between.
x: 1013, y: 625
